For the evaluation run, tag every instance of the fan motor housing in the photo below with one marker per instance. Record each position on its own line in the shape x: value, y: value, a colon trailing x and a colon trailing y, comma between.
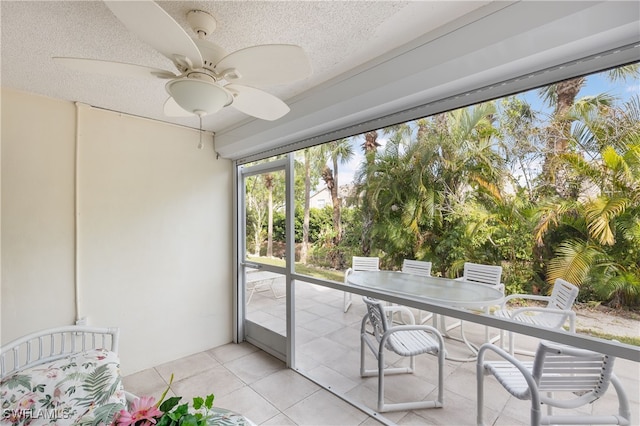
x: 201, y: 22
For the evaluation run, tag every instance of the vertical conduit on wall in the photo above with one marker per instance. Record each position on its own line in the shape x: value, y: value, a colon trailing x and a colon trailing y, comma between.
x: 76, y: 216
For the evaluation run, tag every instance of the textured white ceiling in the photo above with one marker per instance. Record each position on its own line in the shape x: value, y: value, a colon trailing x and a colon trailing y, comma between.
x: 338, y: 36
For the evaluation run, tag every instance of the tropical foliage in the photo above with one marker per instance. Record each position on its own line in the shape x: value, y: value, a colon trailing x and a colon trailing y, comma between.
x: 547, y: 192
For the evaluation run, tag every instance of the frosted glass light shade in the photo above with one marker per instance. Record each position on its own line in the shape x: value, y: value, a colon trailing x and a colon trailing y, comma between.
x: 198, y: 96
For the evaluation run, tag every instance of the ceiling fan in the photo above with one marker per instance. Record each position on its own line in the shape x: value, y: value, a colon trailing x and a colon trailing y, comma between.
x: 208, y: 79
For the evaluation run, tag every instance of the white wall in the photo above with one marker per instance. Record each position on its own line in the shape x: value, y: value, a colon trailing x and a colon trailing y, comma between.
x: 154, y: 229
x: 37, y: 214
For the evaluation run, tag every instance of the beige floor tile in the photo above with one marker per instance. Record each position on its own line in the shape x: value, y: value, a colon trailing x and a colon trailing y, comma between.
x: 305, y: 363
x: 284, y: 388
x: 232, y: 351
x: 412, y: 419
x: 347, y: 336
x: 145, y: 383
x: 321, y: 326
x: 218, y: 381
x: 304, y: 336
x: 349, y: 365
x: 255, y: 366
x: 403, y: 388
x: 456, y: 411
x: 331, y: 378
x: 370, y: 421
x: 249, y: 403
x: 365, y: 393
x: 304, y: 317
x: 323, y: 350
x: 279, y: 420
x: 323, y: 408
x: 186, y: 367
x: 504, y: 420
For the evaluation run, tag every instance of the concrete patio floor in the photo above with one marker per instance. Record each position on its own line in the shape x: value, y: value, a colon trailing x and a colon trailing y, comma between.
x: 250, y: 381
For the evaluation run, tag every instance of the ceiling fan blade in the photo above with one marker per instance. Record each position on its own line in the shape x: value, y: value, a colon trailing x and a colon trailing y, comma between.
x: 120, y: 69
x: 153, y: 25
x: 172, y: 109
x: 266, y: 64
x: 257, y: 103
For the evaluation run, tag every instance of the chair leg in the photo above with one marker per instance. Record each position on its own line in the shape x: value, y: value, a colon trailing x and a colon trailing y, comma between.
x: 406, y: 406
x: 381, y: 381
x: 536, y: 415
x: 512, y: 350
x: 624, y: 411
x: 480, y: 394
x: 347, y: 301
x: 424, y: 318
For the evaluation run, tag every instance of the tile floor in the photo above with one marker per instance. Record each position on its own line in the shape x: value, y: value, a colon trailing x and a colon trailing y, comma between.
x: 250, y: 381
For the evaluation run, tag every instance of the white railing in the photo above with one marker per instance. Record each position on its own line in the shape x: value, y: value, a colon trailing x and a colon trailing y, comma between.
x: 620, y: 350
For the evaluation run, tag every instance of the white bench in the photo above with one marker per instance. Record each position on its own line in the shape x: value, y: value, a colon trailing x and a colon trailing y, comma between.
x: 66, y: 375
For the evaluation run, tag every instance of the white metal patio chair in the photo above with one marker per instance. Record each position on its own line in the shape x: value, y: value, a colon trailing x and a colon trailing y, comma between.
x: 554, y: 315
x: 480, y: 274
x: 359, y: 263
x: 418, y: 267
x: 579, y: 376
x: 258, y: 281
x: 404, y: 340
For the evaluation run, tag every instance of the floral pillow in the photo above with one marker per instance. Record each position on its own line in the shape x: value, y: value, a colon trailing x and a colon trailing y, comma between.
x: 82, y: 389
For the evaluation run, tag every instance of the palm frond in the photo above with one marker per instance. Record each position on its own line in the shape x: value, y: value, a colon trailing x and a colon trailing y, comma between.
x: 624, y: 72
x: 599, y: 213
x: 621, y: 289
x: 549, y: 215
x: 572, y: 262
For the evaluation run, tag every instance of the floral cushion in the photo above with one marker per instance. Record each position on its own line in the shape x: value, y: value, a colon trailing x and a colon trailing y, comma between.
x: 82, y: 389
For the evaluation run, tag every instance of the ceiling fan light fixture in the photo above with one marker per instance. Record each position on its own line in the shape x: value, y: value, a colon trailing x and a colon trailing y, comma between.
x: 198, y: 97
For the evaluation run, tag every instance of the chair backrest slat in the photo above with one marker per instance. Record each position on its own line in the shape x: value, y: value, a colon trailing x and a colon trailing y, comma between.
x: 416, y: 267
x: 377, y: 318
x: 482, y: 274
x: 563, y: 368
x: 359, y: 263
x: 563, y: 295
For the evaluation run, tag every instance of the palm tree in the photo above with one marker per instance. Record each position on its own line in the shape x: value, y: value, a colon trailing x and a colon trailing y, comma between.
x: 411, y: 189
x: 307, y: 195
x: 370, y: 147
x: 312, y: 158
x: 561, y: 97
x: 339, y: 151
x: 601, y: 230
x: 519, y: 142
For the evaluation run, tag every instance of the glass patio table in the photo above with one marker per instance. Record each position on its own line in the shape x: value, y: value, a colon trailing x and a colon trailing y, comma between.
x: 442, y: 291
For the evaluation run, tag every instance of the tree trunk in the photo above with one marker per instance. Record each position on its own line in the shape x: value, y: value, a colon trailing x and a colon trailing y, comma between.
x: 558, y: 135
x: 268, y: 179
x: 307, y: 194
x: 370, y: 147
x: 335, y: 199
x: 256, y: 244
x: 270, y: 225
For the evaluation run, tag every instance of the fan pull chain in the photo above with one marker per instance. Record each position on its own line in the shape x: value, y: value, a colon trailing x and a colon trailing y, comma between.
x: 201, y: 144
